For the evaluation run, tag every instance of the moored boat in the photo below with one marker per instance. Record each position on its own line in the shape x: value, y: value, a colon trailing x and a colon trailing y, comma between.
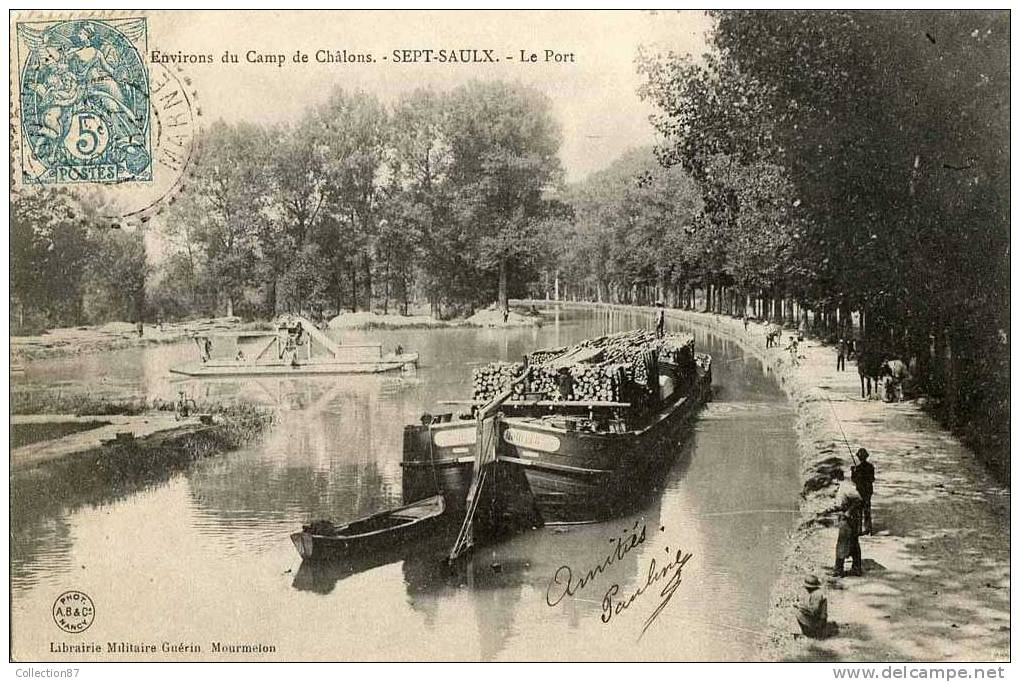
x: 586, y: 458
x: 387, y: 530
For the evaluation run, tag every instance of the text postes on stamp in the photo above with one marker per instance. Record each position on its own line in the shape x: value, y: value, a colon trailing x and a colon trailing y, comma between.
x: 85, y: 111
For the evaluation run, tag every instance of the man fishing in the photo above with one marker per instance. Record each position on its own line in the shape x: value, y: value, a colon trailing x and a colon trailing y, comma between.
x: 848, y: 504
x: 863, y: 476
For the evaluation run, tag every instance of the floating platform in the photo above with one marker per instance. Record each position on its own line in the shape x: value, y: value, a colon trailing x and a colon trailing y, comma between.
x: 386, y: 363
x: 296, y: 348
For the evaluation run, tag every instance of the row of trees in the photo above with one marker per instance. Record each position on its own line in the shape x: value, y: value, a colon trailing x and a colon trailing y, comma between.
x: 840, y: 162
x: 444, y: 194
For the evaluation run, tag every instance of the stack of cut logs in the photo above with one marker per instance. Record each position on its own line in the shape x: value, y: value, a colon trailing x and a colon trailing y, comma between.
x: 602, y: 382
x: 597, y: 376
x: 492, y: 379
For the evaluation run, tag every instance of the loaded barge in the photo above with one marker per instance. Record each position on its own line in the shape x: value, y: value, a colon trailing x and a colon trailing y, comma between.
x: 589, y: 427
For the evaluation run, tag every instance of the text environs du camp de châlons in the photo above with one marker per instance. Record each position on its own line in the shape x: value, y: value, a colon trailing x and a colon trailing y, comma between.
x: 325, y: 56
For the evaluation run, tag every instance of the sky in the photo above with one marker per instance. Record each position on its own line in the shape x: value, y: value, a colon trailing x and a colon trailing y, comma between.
x: 594, y: 96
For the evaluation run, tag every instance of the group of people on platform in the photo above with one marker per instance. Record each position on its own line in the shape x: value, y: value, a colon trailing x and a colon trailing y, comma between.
x: 853, y: 506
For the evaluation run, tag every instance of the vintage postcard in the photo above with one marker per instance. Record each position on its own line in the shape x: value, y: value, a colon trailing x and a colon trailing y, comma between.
x: 510, y: 336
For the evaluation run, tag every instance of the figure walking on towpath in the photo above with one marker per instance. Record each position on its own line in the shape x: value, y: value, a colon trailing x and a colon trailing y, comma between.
x: 863, y: 476
x: 794, y: 350
x: 848, y: 545
x: 842, y: 350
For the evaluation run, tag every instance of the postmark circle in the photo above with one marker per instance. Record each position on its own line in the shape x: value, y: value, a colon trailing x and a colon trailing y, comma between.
x: 74, y: 611
x: 96, y: 118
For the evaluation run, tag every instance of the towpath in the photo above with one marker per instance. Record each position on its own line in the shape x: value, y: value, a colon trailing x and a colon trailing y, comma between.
x: 936, y: 584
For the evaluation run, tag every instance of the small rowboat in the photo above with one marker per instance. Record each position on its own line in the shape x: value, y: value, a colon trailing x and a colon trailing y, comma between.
x: 393, y: 527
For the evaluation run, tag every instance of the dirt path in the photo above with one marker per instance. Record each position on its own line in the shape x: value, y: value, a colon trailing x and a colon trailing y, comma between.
x: 936, y: 583
x: 140, y: 427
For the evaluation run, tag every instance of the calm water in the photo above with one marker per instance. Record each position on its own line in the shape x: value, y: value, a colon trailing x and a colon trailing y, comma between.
x: 201, y: 553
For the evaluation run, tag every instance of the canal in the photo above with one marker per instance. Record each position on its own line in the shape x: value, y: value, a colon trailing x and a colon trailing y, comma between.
x: 200, y: 553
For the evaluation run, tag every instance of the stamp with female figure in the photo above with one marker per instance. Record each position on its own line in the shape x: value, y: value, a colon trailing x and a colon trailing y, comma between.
x: 85, y: 106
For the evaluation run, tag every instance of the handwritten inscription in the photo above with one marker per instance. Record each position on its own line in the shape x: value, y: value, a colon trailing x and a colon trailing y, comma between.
x: 566, y: 582
x: 613, y: 605
x: 662, y: 578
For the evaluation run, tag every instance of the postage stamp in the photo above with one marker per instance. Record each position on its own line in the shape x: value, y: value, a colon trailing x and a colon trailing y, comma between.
x: 85, y: 114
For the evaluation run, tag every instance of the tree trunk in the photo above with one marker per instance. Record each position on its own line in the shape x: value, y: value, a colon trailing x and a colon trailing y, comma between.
x: 230, y: 305
x: 386, y: 290
x: 503, y: 305
x: 354, y: 288
x: 270, y: 302
x: 368, y: 282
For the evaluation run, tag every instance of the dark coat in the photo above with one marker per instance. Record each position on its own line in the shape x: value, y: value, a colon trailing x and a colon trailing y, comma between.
x: 863, y: 477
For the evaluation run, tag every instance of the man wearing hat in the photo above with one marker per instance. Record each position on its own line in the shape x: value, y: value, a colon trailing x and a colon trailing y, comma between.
x: 863, y: 476
x: 848, y: 504
x: 813, y: 613
x: 660, y: 320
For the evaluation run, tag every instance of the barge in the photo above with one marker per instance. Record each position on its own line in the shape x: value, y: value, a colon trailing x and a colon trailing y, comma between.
x: 584, y: 455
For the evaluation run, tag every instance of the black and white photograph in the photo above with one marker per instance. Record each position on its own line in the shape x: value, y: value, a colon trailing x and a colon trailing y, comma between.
x: 510, y: 336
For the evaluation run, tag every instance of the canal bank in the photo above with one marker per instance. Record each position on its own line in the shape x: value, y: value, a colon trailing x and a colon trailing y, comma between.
x: 936, y: 583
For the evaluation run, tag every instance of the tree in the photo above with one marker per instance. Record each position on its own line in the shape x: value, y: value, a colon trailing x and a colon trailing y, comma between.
x: 49, y: 248
x: 352, y: 134
x: 504, y: 144
x: 225, y: 206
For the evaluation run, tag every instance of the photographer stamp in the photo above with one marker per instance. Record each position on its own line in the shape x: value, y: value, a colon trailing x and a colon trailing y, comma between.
x: 74, y: 611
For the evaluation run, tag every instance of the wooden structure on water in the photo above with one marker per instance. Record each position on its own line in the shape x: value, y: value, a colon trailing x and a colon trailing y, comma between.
x: 296, y: 348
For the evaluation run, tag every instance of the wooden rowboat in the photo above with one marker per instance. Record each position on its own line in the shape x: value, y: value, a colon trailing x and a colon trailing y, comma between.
x: 393, y: 527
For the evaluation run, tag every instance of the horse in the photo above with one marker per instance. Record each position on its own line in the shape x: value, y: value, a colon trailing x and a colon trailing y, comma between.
x: 869, y: 368
x: 773, y: 335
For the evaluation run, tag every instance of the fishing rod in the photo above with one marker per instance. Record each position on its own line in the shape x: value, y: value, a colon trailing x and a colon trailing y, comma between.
x: 839, y: 425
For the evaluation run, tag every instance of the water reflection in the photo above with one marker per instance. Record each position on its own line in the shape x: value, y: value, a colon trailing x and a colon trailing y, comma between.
x: 334, y: 452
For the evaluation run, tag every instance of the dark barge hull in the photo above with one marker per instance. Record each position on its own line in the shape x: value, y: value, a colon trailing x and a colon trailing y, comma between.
x: 571, y: 476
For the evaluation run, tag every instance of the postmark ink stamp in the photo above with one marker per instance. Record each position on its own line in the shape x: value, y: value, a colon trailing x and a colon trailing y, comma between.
x: 85, y: 101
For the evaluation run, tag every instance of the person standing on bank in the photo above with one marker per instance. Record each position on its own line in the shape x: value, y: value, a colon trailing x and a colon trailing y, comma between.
x: 841, y: 352
x: 660, y: 320
x: 863, y: 476
x: 849, y: 505
x: 813, y: 612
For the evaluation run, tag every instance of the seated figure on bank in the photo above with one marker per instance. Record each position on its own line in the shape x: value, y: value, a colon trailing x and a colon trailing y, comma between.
x: 813, y: 611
